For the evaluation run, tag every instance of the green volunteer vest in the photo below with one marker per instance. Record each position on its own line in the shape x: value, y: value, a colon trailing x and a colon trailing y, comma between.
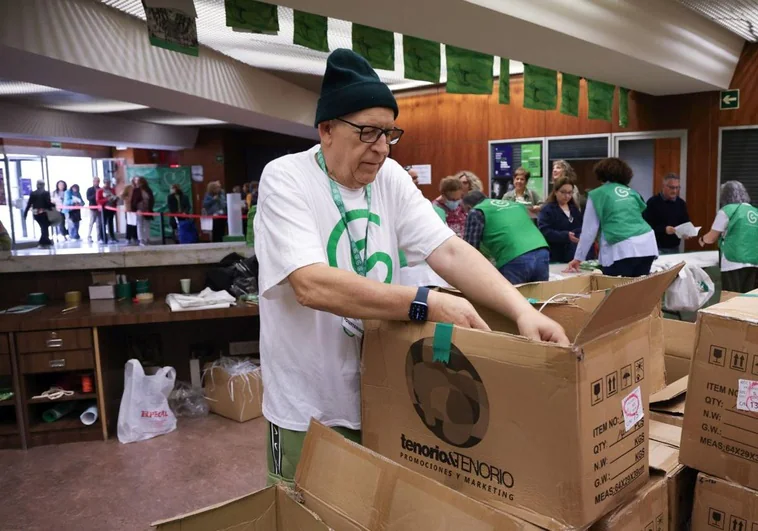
x: 619, y: 209
x: 509, y: 232
x: 401, y: 255
x: 740, y: 242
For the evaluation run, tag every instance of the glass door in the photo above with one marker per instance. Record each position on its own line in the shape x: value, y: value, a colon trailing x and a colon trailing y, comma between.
x: 582, y: 153
x: 23, y: 172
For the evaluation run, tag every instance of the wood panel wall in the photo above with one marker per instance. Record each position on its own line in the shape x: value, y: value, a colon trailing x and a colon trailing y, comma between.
x: 450, y: 132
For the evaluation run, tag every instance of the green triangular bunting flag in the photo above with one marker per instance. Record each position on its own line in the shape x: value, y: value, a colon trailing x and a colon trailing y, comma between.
x: 623, y: 107
x: 600, y: 96
x: 540, y: 88
x: 569, y: 94
x: 253, y: 16
x: 504, y: 92
x: 421, y: 59
x: 311, y: 31
x: 171, y: 29
x: 377, y: 46
x: 468, y: 72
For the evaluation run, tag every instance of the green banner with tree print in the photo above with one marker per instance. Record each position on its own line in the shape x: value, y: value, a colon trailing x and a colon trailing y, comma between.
x: 540, y: 88
x: 311, y: 31
x: 421, y: 59
x: 468, y: 72
x: 623, y: 107
x: 375, y: 45
x: 569, y: 94
x: 171, y: 29
x: 504, y: 91
x: 252, y: 16
x: 600, y: 97
x: 160, y: 179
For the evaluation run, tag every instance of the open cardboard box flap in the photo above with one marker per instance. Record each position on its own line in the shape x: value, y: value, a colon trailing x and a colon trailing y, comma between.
x: 626, y: 304
x: 343, y: 481
x: 665, y: 433
x: 743, y: 307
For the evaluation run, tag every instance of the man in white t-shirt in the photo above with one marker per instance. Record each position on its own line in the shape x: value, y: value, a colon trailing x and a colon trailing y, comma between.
x: 328, y: 227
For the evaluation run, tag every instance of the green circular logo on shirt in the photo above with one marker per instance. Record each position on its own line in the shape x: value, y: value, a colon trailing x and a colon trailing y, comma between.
x: 622, y: 192
x: 752, y: 218
x: 501, y: 203
x: 371, y: 259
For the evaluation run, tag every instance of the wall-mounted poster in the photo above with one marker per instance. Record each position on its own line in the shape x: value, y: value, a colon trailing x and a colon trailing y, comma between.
x: 531, y: 158
x: 26, y: 187
x: 502, y: 160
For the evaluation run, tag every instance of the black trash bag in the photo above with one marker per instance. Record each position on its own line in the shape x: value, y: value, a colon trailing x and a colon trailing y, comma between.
x: 235, y: 274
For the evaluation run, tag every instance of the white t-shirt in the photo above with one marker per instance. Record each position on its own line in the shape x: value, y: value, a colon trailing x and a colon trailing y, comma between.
x: 720, y: 224
x: 310, y: 366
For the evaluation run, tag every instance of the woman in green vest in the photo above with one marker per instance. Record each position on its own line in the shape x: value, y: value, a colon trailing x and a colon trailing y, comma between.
x: 736, y: 230
x: 627, y: 243
x: 510, y: 236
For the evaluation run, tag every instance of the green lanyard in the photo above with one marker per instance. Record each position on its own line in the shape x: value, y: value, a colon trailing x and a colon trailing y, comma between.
x: 359, y: 262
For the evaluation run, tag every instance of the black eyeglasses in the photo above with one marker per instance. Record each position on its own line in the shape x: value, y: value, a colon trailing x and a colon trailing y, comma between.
x: 370, y: 134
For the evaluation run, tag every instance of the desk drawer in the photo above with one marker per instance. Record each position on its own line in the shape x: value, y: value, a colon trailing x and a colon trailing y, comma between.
x: 69, y: 360
x: 54, y: 340
x: 4, y: 345
x: 5, y: 364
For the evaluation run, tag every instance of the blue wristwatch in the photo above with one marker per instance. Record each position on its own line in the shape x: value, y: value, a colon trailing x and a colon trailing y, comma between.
x: 419, y: 308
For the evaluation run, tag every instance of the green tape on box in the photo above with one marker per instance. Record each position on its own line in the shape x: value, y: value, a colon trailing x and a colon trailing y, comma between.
x: 443, y: 340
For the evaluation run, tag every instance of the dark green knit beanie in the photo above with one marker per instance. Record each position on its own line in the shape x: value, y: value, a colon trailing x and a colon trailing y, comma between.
x: 351, y: 85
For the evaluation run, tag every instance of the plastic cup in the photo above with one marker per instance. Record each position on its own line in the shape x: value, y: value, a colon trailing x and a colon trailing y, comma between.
x: 185, y: 282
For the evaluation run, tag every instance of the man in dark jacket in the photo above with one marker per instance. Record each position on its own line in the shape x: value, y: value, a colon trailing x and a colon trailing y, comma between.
x: 664, y: 212
x: 94, y: 213
x: 40, y: 203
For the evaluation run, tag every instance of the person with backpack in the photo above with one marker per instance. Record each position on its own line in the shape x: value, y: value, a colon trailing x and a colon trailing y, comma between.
x: 736, y: 230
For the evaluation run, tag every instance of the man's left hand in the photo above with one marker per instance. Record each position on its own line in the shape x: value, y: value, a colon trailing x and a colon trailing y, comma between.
x: 540, y: 327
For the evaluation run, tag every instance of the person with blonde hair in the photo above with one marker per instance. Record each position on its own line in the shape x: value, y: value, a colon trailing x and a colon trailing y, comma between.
x: 736, y: 230
x: 451, y: 193
x: 470, y: 182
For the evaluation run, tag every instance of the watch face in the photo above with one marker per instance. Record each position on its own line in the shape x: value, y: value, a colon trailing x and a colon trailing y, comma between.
x: 418, y: 311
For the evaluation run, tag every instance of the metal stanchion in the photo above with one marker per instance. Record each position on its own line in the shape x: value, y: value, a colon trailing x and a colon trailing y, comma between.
x: 163, y: 233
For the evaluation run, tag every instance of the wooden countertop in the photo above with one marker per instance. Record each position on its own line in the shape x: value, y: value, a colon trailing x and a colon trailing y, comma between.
x: 112, y: 313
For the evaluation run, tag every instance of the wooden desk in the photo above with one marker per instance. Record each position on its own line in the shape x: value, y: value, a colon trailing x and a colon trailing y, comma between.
x: 97, y: 338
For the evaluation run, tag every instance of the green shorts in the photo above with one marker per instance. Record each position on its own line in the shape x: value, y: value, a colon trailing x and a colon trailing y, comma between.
x: 283, y: 450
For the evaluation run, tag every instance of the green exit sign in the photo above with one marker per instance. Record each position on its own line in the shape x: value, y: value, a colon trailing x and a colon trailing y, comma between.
x: 55, y: 145
x: 729, y: 99
x: 219, y: 158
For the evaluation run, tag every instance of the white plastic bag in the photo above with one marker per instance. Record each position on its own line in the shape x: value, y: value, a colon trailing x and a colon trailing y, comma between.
x: 206, y: 224
x: 691, y: 289
x: 144, y: 411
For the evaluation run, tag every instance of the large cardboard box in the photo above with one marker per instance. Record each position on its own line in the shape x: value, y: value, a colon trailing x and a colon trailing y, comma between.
x: 588, y: 292
x: 528, y: 427
x: 345, y: 487
x: 646, y: 511
x: 237, y: 397
x: 680, y: 480
x: 721, y: 504
x: 679, y: 339
x: 667, y: 405
x: 720, y: 435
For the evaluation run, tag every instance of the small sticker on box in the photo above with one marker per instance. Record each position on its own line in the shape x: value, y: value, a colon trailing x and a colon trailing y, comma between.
x: 631, y: 405
x: 747, y: 396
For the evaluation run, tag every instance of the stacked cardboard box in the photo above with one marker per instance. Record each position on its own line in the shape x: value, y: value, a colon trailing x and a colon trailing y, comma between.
x: 554, y: 435
x: 344, y: 487
x: 720, y: 433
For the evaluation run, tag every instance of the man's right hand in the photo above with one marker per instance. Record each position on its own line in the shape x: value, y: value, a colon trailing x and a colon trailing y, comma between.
x: 446, y: 308
x: 670, y: 230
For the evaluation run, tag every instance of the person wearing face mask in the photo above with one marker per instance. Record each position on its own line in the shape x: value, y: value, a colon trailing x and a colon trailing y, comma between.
x: 328, y: 227
x: 505, y: 229
x: 521, y: 194
x: 451, y: 192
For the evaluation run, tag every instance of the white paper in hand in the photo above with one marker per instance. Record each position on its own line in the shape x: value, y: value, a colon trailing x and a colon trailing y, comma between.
x: 687, y: 230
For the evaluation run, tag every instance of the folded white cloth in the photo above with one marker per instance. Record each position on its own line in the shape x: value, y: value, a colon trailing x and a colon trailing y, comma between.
x: 205, y: 300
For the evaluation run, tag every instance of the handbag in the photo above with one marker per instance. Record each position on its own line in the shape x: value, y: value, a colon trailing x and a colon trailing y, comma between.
x: 54, y: 217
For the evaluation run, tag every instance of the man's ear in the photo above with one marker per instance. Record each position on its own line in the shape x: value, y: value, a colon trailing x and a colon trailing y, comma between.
x: 325, y: 132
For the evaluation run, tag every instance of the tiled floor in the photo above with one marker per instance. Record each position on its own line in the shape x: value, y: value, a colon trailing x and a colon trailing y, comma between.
x: 111, y: 486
